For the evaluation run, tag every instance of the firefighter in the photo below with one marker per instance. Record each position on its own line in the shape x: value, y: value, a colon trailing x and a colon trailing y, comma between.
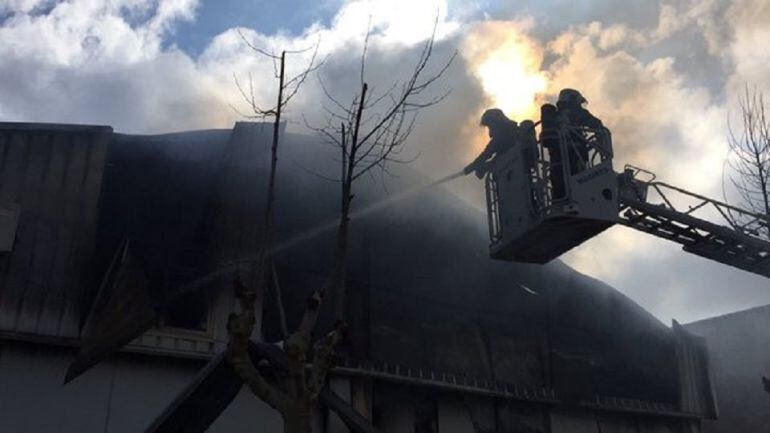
x: 528, y: 142
x: 570, y: 104
x: 530, y: 154
x: 549, y: 137
x: 503, y: 134
x: 571, y: 109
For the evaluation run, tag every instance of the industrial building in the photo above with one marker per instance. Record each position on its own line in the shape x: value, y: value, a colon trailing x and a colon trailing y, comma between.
x: 739, y: 353
x: 443, y: 339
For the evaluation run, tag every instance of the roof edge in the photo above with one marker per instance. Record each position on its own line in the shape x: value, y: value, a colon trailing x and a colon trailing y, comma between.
x: 27, y: 126
x: 729, y: 315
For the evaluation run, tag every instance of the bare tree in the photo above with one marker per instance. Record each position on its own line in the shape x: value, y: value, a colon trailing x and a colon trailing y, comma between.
x: 369, y: 132
x: 293, y: 400
x: 749, y: 160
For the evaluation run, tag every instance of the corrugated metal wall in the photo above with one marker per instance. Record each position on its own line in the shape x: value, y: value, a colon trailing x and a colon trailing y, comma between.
x: 696, y: 394
x: 122, y: 395
x: 738, y: 356
x: 54, y: 172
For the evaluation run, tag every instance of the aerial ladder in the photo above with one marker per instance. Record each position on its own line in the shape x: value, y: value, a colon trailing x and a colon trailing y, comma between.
x: 559, y: 189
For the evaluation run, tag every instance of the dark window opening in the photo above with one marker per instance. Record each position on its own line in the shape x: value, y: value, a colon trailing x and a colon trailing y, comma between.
x: 190, y: 311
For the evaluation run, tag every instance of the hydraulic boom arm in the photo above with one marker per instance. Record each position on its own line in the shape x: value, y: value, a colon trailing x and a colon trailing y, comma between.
x: 691, y: 220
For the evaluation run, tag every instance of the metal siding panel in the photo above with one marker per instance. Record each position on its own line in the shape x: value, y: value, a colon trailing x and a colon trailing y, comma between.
x: 61, y: 273
x: 31, y: 197
x: 33, y: 399
x: 341, y: 387
x: 13, y: 167
x: 82, y: 187
x: 573, y: 422
x: 617, y: 425
x: 73, y: 213
x: 453, y: 416
x: 37, y: 284
x: 246, y: 410
x: 93, y: 180
x: 12, y: 292
x: 56, y: 177
x: 143, y: 389
x: 5, y: 140
x: 5, y: 147
x: 696, y: 396
x: 202, y: 401
x: 52, y: 308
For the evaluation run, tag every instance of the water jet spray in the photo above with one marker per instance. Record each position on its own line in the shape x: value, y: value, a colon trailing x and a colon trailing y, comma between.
x: 226, y: 268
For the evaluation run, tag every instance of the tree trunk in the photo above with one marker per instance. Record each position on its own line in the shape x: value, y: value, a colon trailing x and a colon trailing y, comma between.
x: 299, y: 418
x: 339, y: 273
x: 340, y: 263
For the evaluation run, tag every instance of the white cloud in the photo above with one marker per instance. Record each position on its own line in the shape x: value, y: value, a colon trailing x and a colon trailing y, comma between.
x: 22, y: 6
x: 99, y: 62
x: 89, y: 34
x: 749, y: 49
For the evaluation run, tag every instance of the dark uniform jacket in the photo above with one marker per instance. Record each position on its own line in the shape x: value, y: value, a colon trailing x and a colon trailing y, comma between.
x: 579, y: 116
x: 502, y: 138
x: 576, y: 115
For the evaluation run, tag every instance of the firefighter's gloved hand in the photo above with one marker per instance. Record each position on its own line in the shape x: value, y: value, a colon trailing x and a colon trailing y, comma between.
x: 480, y: 174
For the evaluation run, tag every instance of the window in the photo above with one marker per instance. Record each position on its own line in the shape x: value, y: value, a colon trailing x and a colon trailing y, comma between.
x: 190, y: 312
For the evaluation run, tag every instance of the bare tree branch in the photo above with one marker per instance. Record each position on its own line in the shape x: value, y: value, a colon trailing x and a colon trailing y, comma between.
x: 749, y: 157
x: 295, y: 403
x: 314, y: 173
x: 363, y: 54
x: 255, y: 48
x: 323, y: 358
x: 279, y: 301
x: 370, y: 132
x: 373, y: 129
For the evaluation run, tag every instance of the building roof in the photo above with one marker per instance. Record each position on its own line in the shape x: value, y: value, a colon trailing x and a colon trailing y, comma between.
x: 60, y: 127
x: 53, y: 174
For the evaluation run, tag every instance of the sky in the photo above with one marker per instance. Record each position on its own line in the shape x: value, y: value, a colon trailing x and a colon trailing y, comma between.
x: 663, y: 75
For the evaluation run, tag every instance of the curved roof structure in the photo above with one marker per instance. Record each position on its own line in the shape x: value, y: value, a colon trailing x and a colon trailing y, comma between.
x: 424, y: 293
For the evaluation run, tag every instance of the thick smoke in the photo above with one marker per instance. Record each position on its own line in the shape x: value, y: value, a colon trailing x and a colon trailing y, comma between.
x: 663, y: 76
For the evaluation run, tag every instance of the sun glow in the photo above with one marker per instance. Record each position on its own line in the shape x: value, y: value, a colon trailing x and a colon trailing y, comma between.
x: 507, y: 64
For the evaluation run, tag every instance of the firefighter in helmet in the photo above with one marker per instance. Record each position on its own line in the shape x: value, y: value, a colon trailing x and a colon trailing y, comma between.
x: 503, y: 135
x: 571, y: 105
x: 571, y: 108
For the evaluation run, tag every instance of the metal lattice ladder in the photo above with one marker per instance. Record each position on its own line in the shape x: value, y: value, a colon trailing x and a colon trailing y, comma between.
x: 736, y: 245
